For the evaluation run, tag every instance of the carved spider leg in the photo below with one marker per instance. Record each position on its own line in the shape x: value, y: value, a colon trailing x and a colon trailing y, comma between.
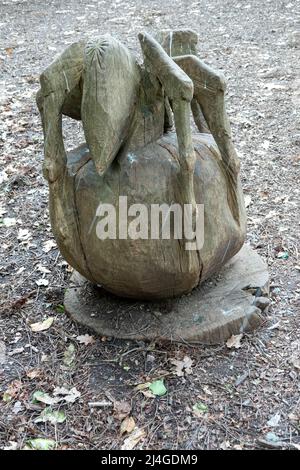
x: 179, y: 89
x: 209, y: 88
x: 57, y: 82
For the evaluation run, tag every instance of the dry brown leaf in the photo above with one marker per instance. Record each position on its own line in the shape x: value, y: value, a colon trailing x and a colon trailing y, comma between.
x: 33, y: 373
x: 12, y: 390
x: 143, y: 386
x: 127, y: 425
x: 85, y: 339
x: 234, y: 341
x: 183, y: 367
x: 42, y: 325
x: 9, y: 51
x: 133, y: 439
x: 122, y: 409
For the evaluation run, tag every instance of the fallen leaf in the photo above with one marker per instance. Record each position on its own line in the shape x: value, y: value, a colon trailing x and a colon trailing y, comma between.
x: 183, y: 367
x: 53, y: 417
x: 225, y: 445
x: 127, y: 425
x: 9, y: 221
x: 12, y: 390
x: 274, y: 421
x: 86, y: 339
x: 48, y: 245
x: 16, y: 351
x: 133, y: 439
x: 23, y: 234
x: 43, y: 397
x: 13, y: 445
x: 143, y: 386
x: 43, y: 269
x: 69, y: 355
x: 199, y: 408
x: 3, y: 176
x: 121, y: 409
x: 207, y: 390
x: 41, y: 444
x: 271, y: 437
x: 234, y: 341
x: 247, y: 200
x: 158, y: 388
x: 33, y: 373
x: 70, y: 396
x: 283, y: 255
x: 17, y: 408
x: 42, y: 325
x: 9, y: 51
x: 42, y: 282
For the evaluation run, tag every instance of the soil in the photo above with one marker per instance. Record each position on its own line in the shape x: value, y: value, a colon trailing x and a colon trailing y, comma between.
x: 230, y: 397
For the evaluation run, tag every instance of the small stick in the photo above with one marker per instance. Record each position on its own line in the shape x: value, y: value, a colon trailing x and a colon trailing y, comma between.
x: 100, y: 404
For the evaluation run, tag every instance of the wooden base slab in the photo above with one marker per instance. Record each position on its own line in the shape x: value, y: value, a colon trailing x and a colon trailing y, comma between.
x: 210, y: 314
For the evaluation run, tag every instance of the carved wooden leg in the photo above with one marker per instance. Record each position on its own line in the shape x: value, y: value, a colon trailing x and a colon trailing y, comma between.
x: 209, y: 88
x: 199, y: 118
x: 179, y: 89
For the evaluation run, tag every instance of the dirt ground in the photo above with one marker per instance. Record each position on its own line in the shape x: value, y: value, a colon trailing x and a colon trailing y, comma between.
x: 226, y: 398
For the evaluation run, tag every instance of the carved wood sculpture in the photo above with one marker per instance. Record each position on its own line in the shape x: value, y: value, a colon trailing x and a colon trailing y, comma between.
x: 131, y: 149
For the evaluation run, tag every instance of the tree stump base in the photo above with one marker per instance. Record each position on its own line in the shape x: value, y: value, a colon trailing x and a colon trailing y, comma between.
x: 223, y: 306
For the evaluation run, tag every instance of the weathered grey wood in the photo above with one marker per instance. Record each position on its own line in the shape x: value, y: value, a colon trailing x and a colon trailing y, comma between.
x: 213, y: 312
x: 110, y: 86
x: 209, y: 88
x: 179, y: 42
x: 179, y: 89
x: 126, y: 109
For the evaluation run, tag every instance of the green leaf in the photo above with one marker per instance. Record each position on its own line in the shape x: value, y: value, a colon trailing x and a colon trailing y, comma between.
x: 200, y: 408
x: 158, y: 388
x: 41, y: 444
x: 60, y: 308
x: 53, y: 417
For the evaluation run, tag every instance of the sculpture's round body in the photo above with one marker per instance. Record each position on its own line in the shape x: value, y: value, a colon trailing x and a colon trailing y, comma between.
x: 153, y: 268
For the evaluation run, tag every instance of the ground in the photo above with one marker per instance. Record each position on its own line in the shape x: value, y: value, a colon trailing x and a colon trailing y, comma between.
x: 246, y: 397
